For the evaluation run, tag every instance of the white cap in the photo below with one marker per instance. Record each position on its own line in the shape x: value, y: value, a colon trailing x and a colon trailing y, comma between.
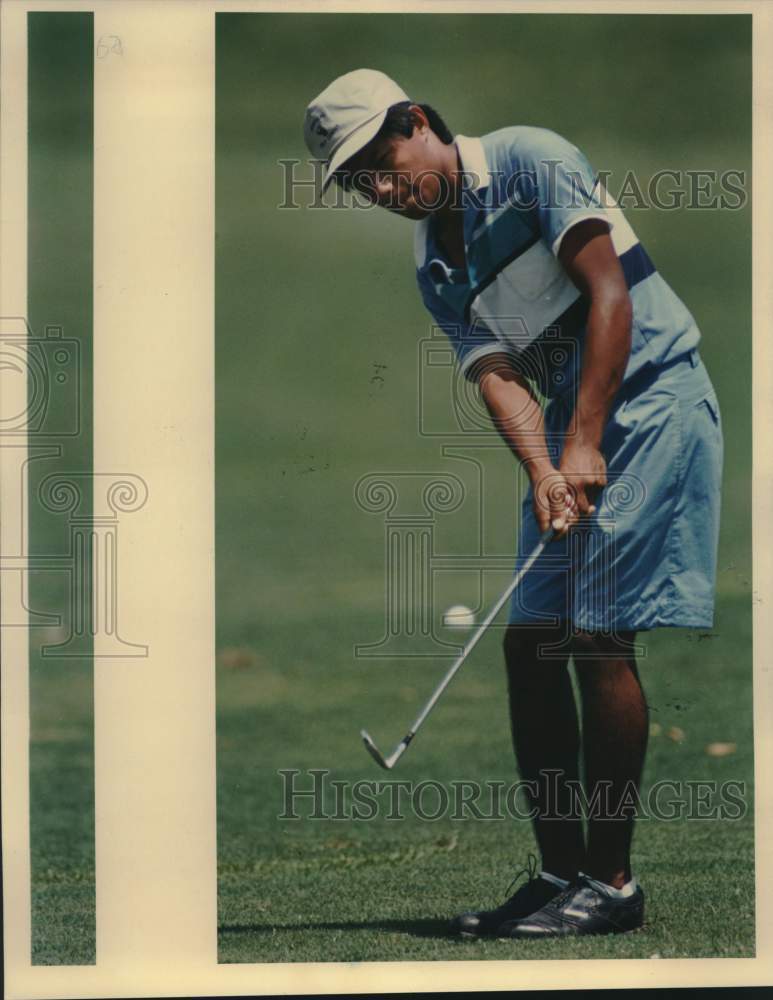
x: 346, y: 116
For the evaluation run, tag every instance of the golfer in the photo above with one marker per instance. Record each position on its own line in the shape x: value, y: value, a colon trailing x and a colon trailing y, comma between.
x: 545, y: 293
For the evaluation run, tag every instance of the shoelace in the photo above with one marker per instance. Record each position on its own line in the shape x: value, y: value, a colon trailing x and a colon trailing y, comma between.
x: 562, y: 897
x: 530, y: 870
x: 570, y: 890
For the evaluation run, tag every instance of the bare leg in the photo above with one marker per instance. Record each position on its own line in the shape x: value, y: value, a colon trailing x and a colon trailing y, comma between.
x: 615, y: 723
x: 546, y: 737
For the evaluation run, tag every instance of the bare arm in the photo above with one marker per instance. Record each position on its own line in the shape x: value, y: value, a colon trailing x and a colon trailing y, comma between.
x: 588, y: 255
x: 517, y: 415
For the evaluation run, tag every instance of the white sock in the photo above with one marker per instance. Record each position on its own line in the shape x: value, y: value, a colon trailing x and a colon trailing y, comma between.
x: 562, y: 883
x: 627, y: 890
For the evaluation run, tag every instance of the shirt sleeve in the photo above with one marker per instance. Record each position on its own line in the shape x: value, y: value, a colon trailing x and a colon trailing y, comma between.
x: 560, y: 185
x: 470, y: 342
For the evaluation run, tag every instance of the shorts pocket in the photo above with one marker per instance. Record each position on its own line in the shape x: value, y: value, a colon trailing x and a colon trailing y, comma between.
x: 711, y: 403
x: 707, y: 409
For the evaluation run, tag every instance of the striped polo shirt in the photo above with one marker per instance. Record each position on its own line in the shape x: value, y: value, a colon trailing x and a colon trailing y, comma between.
x: 524, y: 188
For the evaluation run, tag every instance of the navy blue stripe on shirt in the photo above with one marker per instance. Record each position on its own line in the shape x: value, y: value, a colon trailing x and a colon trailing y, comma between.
x: 571, y: 320
x: 491, y: 278
x: 636, y: 265
x: 549, y: 354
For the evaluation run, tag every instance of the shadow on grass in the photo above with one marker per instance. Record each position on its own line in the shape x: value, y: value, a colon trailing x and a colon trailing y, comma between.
x: 424, y: 928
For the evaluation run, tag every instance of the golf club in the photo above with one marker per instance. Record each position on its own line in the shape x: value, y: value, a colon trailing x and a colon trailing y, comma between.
x: 389, y: 762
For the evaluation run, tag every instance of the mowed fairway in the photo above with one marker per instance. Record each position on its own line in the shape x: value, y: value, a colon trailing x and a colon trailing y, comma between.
x: 346, y: 890
x: 317, y: 331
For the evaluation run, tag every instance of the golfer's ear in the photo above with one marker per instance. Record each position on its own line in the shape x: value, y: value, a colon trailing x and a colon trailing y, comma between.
x: 420, y: 120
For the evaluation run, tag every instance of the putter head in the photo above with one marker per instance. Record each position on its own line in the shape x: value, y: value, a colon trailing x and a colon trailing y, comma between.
x: 374, y: 751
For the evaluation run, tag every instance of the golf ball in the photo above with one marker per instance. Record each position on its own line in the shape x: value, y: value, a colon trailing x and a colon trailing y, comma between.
x: 459, y: 616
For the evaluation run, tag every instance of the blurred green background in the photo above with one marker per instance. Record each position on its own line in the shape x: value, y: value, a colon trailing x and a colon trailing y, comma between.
x: 318, y: 324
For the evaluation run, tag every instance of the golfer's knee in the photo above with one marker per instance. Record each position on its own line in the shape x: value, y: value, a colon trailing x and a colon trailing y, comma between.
x: 602, y: 646
x: 600, y: 657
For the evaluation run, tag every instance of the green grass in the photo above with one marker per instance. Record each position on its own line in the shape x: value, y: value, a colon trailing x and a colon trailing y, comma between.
x: 349, y: 890
x: 62, y: 814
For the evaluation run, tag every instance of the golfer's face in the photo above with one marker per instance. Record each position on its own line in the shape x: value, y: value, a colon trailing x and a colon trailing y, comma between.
x: 398, y: 174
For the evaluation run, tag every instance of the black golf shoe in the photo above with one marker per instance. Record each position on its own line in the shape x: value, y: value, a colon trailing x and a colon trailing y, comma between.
x: 531, y: 896
x: 581, y: 908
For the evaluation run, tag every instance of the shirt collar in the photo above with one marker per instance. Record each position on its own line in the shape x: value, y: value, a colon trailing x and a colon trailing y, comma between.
x: 476, y: 176
x: 474, y: 164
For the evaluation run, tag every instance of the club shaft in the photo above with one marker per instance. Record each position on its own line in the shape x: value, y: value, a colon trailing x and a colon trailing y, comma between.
x: 472, y: 642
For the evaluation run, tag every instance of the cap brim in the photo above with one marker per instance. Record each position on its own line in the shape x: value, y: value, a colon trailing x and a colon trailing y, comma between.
x: 353, y: 144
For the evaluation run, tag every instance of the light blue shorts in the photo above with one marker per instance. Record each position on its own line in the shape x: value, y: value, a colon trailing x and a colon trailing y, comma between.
x: 648, y: 556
